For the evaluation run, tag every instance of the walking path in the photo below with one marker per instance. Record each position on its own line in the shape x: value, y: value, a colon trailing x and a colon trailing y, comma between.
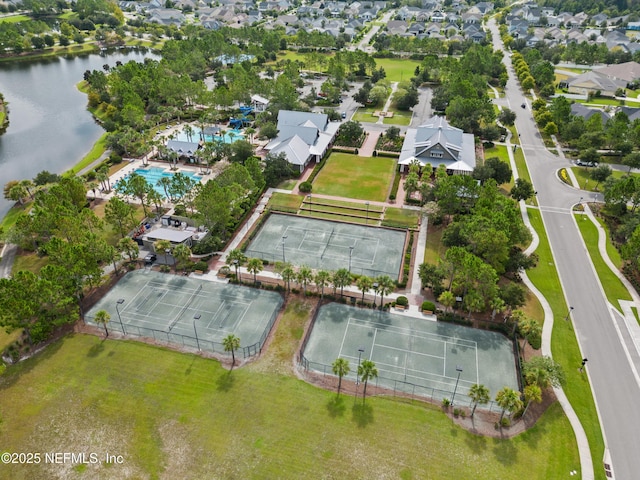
x: 369, y: 145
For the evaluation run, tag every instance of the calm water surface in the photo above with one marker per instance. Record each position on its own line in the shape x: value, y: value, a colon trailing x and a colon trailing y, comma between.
x: 50, y: 127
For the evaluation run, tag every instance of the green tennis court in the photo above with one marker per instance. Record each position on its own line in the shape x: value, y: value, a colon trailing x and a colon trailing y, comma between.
x: 370, y: 251
x: 411, y: 354
x: 188, y: 311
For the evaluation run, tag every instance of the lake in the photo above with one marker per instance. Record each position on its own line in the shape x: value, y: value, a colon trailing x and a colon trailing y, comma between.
x: 50, y: 127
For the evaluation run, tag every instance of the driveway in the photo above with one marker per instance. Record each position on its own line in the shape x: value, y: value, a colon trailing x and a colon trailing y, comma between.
x: 603, y: 338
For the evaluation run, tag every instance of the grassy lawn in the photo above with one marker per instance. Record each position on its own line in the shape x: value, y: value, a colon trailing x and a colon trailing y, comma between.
x: 10, y: 218
x: 515, y: 139
x: 434, y: 249
x: 285, y: 200
x: 365, y: 115
x: 7, y: 338
x: 613, y: 287
x: 94, y: 154
x: 342, y: 203
x: 399, y: 118
x: 15, y: 19
x: 401, y: 217
x: 365, y: 178
x: 288, y: 184
x: 586, y: 183
x: 28, y: 261
x: 564, y: 345
x: 182, y: 416
x: 612, y: 251
x: 397, y: 69
x: 372, y: 220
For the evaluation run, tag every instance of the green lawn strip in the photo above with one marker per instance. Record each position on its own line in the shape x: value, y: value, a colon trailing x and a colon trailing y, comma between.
x: 397, y: 69
x: 342, y: 203
x: 564, y: 345
x: 401, y: 216
x: 29, y: 261
x: 8, y: 338
x: 612, y: 251
x: 399, y: 118
x: 365, y: 178
x: 612, y: 285
x: 287, y: 184
x: 434, y: 249
x: 12, y: 215
x: 364, y: 116
x: 635, y: 313
x: 285, y: 200
x: 87, y: 47
x: 587, y: 183
x: 339, y: 210
x: 94, y: 154
x: 340, y: 217
x: 167, y: 413
x: 514, y: 135
x: 15, y: 19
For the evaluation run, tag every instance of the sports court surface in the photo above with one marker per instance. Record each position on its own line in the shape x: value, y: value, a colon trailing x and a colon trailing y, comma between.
x: 370, y: 251
x: 179, y: 309
x: 411, y: 354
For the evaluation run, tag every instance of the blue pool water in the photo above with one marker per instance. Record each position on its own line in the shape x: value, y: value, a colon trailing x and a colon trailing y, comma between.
x: 153, y: 174
x: 230, y: 136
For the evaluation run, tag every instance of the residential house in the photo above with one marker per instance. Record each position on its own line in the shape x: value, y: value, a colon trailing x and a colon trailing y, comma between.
x: 185, y: 150
x: 397, y: 27
x: 303, y: 137
x: 579, y: 110
x: 627, y: 72
x: 166, y: 16
x: 593, y: 82
x: 438, y: 143
x: 632, y: 112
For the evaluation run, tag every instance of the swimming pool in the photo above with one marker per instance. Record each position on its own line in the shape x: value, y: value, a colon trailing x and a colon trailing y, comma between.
x: 230, y: 136
x: 153, y: 174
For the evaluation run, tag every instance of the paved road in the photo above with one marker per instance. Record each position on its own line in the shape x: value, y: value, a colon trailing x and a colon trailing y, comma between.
x: 603, y: 339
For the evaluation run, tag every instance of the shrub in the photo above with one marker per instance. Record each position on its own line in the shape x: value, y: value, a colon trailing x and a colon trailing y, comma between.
x: 396, y: 184
x: 305, y: 187
x: 446, y: 402
x: 402, y: 301
x: 202, y: 266
x: 427, y: 305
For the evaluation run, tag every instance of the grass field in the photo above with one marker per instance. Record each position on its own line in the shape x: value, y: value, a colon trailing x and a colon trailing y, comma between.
x: 564, y: 345
x: 15, y: 19
x: 182, y: 416
x: 343, y: 203
x: 434, y: 249
x: 397, y: 69
x: 94, y: 154
x: 612, y: 251
x: 285, y: 200
x: 364, y: 178
x: 399, y: 118
x: 288, y: 184
x: 612, y: 285
x: 401, y: 217
x: 586, y: 183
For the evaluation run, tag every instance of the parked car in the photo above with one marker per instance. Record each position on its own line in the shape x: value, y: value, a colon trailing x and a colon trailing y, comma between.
x: 586, y: 164
x: 150, y: 258
x: 344, y: 114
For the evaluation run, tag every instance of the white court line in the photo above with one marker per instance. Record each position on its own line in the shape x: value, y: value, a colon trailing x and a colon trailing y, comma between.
x: 216, y: 314
x: 418, y: 333
x: 409, y: 351
x: 373, y: 344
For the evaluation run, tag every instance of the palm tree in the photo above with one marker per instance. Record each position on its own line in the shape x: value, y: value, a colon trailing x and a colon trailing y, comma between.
x: 479, y: 394
x: 532, y: 393
x: 231, y: 343
x: 508, y: 399
x: 91, y: 186
x: 341, y: 279
x: 165, y: 183
x: 255, y: 266
x: 103, y: 317
x: 321, y: 279
x: 250, y: 131
x: 286, y: 272
x: 28, y: 185
x: 385, y: 286
x: 162, y: 246
x: 528, y: 328
x: 340, y: 368
x: 366, y: 371
x: 129, y: 246
x: 237, y: 258
x: 364, y: 283
x: 304, y: 277
x: 182, y: 253
x: 102, y: 176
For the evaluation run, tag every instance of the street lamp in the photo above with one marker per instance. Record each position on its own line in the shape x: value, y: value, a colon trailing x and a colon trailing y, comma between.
x: 197, y: 316
x: 459, y: 370
x: 350, y: 253
x: 360, y: 352
x: 120, y: 301
x: 375, y: 293
x: 284, y: 260
x: 235, y: 264
x: 568, y: 313
x: 584, y: 361
x: 367, y: 220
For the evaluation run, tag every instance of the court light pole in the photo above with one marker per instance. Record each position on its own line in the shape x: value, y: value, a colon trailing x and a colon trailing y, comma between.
x: 360, y: 352
x: 284, y: 260
x: 235, y: 264
x: 459, y: 370
x: 120, y: 301
x: 375, y: 293
x: 568, y: 313
x: 350, y: 253
x: 197, y: 316
x: 367, y: 220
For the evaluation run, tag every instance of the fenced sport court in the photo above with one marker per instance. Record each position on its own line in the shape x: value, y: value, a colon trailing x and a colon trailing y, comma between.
x: 188, y: 311
x: 412, y: 355
x: 370, y: 251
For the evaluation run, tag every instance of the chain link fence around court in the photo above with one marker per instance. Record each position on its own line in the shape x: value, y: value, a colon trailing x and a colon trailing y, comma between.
x: 170, y: 338
x: 404, y: 389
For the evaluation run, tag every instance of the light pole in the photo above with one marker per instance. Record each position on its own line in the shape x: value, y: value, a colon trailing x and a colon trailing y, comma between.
x: 284, y: 260
x: 568, y: 313
x: 350, y: 253
x: 366, y: 222
x: 375, y: 293
x: 235, y: 263
x: 584, y: 361
x: 120, y: 301
x: 459, y: 370
x: 197, y: 316
x: 360, y: 352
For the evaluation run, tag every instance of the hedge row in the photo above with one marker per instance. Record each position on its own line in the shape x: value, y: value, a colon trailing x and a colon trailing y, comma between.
x: 396, y: 185
x: 319, y: 166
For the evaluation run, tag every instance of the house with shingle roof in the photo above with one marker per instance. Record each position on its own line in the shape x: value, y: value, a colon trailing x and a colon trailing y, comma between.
x: 437, y: 142
x: 627, y: 72
x: 593, y: 82
x: 303, y: 137
x: 579, y: 110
